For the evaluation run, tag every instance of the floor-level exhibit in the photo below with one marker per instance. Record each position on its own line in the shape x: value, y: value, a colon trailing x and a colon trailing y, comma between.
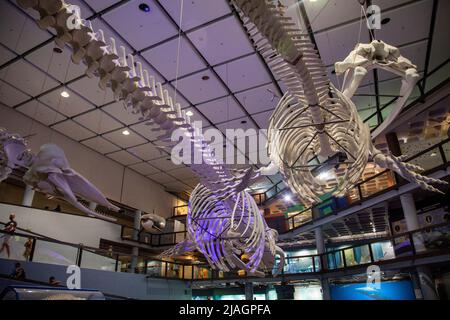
x: 224, y: 150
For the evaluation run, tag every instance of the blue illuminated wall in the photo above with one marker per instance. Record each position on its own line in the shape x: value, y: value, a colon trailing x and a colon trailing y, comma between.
x: 389, y: 290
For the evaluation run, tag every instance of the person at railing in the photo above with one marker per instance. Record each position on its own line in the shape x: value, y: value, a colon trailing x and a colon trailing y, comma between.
x: 18, y: 272
x: 28, y: 246
x: 53, y: 282
x: 10, y: 228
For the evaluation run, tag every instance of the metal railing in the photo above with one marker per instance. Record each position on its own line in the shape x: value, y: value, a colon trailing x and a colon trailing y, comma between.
x: 425, y: 242
x: 152, y: 239
x: 438, y: 153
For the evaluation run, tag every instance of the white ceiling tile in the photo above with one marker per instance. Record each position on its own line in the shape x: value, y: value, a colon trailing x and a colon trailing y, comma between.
x: 124, y: 141
x: 259, y: 99
x: 324, y: 14
x: 243, y: 123
x: 146, y: 131
x: 120, y: 113
x: 336, y: 44
x: 165, y: 164
x: 221, y: 41
x: 192, y: 182
x: 5, y: 55
x: 19, y: 33
x: 141, y: 29
x: 73, y: 130
x: 175, y: 186
x: 404, y: 29
x: 161, y: 178
x: 97, y: 121
x: 88, y: 88
x: 182, y: 174
x: 70, y: 106
x: 197, y: 90
x: 29, y: 79
x: 124, y: 158
x: 10, y: 96
x: 176, y: 98
x: 144, y: 168
x: 220, y: 110
x: 244, y: 73
x: 147, y: 152
x: 99, y: 5
x: 100, y: 145
x: 196, y: 13
x: 59, y: 65
x: 262, y: 119
x: 164, y: 58
x: 41, y: 113
x: 196, y: 116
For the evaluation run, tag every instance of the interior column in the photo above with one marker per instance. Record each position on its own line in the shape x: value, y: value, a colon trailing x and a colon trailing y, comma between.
x: 137, y: 227
x: 28, y: 196
x: 248, y: 290
x: 321, y: 249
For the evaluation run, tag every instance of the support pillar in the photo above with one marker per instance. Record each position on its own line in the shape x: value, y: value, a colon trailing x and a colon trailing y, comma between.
x: 248, y: 290
x: 320, y: 246
x: 425, y: 276
x: 28, y: 196
x: 326, y: 295
x: 137, y: 227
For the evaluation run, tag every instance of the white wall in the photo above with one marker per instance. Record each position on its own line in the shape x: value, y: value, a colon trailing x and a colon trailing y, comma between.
x: 64, y: 227
x: 138, y: 191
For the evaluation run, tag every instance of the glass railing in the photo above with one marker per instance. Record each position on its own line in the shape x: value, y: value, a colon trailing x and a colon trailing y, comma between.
x: 180, y: 210
x: 430, y: 159
x: 152, y: 239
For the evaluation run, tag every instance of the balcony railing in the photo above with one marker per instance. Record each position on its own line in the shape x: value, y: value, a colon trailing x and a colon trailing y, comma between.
x: 152, y: 239
x: 424, y: 242
x: 431, y: 159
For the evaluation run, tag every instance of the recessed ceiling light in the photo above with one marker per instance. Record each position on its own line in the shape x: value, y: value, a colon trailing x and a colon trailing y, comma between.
x: 144, y: 7
x: 385, y: 20
x: 205, y: 78
x: 433, y: 154
x: 57, y: 50
x: 65, y: 94
x: 126, y: 132
x: 244, y: 121
x: 189, y: 113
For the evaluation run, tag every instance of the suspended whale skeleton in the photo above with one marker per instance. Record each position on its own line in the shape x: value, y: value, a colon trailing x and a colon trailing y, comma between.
x: 316, y: 128
x: 224, y: 222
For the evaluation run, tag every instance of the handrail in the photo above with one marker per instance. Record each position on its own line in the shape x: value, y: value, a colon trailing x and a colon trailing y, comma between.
x: 158, y: 236
x: 445, y: 161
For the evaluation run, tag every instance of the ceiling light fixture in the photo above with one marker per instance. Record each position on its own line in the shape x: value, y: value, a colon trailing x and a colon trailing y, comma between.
x: 144, y: 7
x: 433, y: 154
x: 287, y: 198
x: 205, y: 78
x: 385, y: 21
x: 126, y: 132
x: 65, y: 94
x: 57, y: 50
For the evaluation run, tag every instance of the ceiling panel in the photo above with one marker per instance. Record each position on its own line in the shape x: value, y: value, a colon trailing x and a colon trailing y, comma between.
x: 19, y: 33
x: 198, y: 90
x: 259, y: 99
x: 124, y: 141
x: 221, y: 110
x: 324, y: 14
x: 161, y: 178
x: 218, y: 46
x: 196, y: 13
x: 165, y: 164
x: 118, y: 111
x: 70, y: 106
x: 146, y: 152
x: 164, y: 58
x: 35, y: 81
x: 146, y: 131
x: 244, y: 73
x: 98, y: 121
x: 99, y: 5
x: 59, y: 65
x: 242, y: 123
x: 182, y: 174
x: 10, y: 96
x: 101, y: 145
x: 73, y: 130
x: 175, y: 186
x: 88, y: 88
x: 141, y: 29
x: 5, y: 54
x: 144, y: 168
x: 38, y: 111
x: 196, y: 116
x: 124, y: 158
x: 262, y: 119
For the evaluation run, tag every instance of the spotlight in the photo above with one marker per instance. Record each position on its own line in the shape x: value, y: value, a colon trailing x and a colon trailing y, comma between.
x: 126, y: 132
x: 65, y: 94
x: 287, y: 198
x: 144, y: 7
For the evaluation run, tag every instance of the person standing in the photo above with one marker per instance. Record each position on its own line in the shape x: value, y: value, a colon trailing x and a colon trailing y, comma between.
x: 9, y: 228
x: 28, y: 247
